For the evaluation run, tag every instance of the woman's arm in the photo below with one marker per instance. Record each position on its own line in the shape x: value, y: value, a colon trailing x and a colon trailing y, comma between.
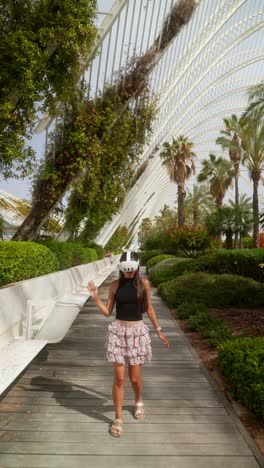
x: 107, y: 308
x: 152, y: 314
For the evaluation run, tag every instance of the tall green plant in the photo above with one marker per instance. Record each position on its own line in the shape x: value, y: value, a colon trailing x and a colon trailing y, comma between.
x: 232, y: 142
x: 253, y: 159
x: 178, y: 158
x: 219, y: 173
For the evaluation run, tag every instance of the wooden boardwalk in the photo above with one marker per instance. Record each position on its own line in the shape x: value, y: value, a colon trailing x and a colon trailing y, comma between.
x: 59, y: 413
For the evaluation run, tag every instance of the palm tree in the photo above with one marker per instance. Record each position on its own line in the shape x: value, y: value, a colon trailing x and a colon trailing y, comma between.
x: 256, y: 102
x: 219, y: 173
x: 231, y: 141
x: 178, y: 158
x: 243, y: 216
x: 198, y: 204
x: 253, y: 159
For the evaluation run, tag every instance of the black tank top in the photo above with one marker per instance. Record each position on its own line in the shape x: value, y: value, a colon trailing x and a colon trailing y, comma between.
x: 127, y: 304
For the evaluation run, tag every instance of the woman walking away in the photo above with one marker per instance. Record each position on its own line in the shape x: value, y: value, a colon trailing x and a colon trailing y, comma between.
x: 128, y: 339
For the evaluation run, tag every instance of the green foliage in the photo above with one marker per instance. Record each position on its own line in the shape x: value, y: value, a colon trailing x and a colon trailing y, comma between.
x: 154, y: 240
x: 189, y: 238
x: 246, y: 262
x: 146, y: 256
x: 187, y: 309
x: 23, y: 260
x: 70, y: 254
x: 242, y: 363
x: 159, y: 258
x: 98, y: 248
x: 247, y: 242
x: 214, y: 330
x: 164, y: 265
x: 118, y: 239
x: 41, y: 46
x: 186, y: 265
x: 213, y: 290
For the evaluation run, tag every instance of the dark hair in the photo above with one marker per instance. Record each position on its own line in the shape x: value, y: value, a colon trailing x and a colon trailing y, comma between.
x: 137, y: 283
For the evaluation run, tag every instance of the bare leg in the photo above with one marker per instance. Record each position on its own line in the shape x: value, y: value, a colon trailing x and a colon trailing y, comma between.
x: 136, y: 381
x: 118, y: 389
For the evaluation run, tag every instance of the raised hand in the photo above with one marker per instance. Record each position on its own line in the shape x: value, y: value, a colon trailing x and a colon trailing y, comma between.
x: 92, y: 288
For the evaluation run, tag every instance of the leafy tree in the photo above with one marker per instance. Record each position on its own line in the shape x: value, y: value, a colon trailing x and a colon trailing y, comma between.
x: 178, y: 158
x: 42, y: 45
x: 144, y: 229
x: 219, y: 173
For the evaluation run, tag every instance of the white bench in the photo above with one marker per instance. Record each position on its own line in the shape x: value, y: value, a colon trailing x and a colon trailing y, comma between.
x: 41, y: 310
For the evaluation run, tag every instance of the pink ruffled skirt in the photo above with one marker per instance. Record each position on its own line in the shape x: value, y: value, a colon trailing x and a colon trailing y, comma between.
x: 128, y: 343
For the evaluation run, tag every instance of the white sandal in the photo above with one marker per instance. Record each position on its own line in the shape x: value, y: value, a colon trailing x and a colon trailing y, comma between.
x: 116, y: 427
x: 139, y: 411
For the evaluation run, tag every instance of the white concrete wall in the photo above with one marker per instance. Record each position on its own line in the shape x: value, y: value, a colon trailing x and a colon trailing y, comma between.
x: 55, y: 300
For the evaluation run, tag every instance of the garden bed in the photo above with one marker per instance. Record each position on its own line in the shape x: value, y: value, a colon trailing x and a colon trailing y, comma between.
x: 243, y: 322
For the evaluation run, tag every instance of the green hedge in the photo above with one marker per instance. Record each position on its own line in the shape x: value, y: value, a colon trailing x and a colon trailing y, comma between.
x: 213, y: 290
x: 159, y: 258
x: 165, y: 264
x: 242, y: 363
x: 98, y: 248
x: 244, y: 262
x: 247, y: 262
x: 71, y: 254
x: 23, y: 260
x: 185, y: 265
x: 148, y: 254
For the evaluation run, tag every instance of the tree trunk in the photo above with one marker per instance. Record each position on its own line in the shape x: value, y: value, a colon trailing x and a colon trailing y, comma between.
x: 181, y: 196
x: 195, y: 217
x: 41, y: 211
x: 255, y: 212
x: 229, y: 239
x: 236, y: 242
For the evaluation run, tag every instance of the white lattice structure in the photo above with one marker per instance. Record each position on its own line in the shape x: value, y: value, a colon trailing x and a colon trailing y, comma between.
x: 200, y: 78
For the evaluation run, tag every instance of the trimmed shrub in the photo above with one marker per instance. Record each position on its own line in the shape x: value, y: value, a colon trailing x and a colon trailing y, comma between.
x: 148, y: 254
x: 242, y: 363
x: 186, y: 265
x: 24, y: 260
x: 71, y: 254
x: 159, y: 258
x: 98, y: 248
x: 165, y: 264
x: 244, y: 262
x: 213, y: 290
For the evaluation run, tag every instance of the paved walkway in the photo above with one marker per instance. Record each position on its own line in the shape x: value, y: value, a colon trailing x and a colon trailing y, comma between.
x: 59, y: 413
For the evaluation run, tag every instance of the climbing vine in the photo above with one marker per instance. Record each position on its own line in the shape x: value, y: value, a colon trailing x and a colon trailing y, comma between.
x: 41, y: 44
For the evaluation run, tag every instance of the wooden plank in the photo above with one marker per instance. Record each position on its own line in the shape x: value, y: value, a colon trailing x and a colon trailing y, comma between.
x: 82, y: 461
x: 133, y: 438
x: 59, y: 413
x: 110, y: 448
